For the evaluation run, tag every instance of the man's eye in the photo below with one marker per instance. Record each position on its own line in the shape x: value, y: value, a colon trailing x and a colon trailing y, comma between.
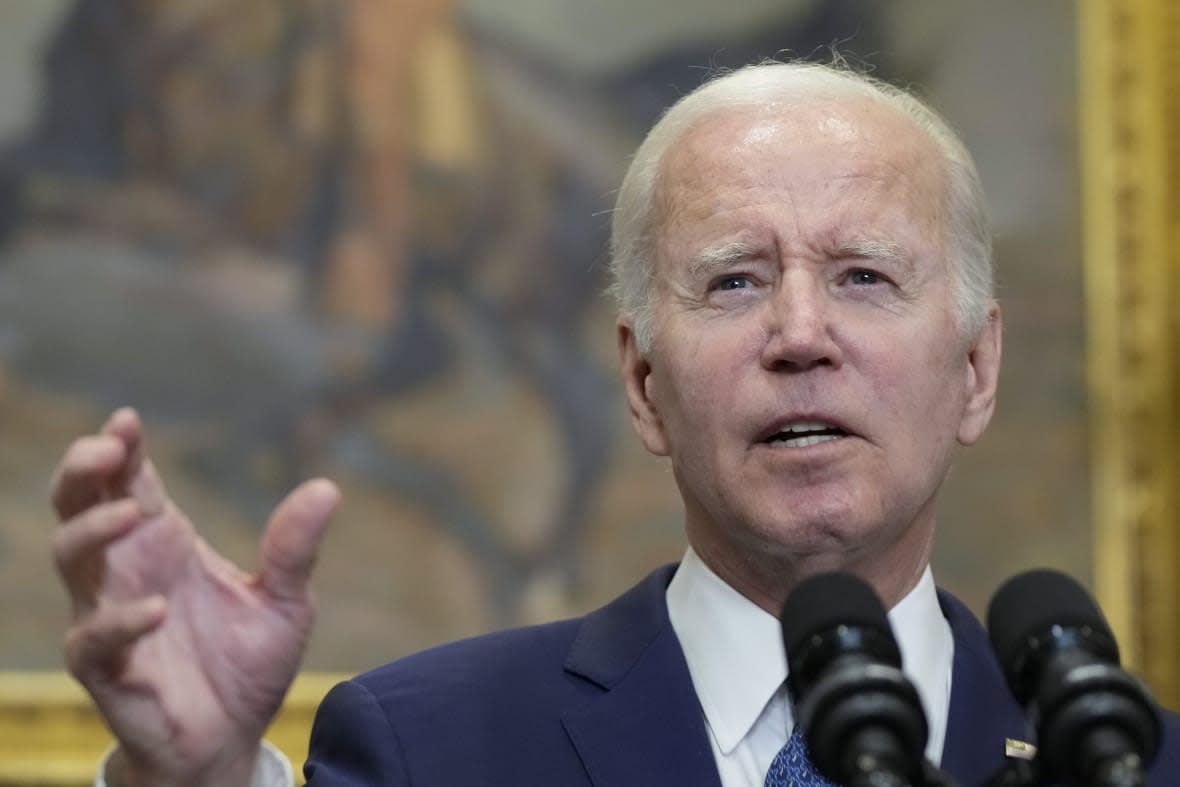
x: 733, y: 283
x: 863, y: 277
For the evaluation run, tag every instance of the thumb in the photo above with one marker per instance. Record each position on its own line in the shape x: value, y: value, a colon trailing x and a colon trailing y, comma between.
x: 293, y: 535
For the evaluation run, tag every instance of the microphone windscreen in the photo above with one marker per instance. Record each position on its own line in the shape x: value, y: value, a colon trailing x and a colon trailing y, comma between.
x: 1031, y: 604
x: 826, y: 601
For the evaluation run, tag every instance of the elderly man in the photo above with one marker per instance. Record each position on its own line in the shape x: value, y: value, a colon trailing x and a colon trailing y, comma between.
x: 806, y: 331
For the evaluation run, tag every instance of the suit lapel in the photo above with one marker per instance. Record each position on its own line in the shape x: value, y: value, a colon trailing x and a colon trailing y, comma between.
x: 983, y: 713
x: 646, y: 728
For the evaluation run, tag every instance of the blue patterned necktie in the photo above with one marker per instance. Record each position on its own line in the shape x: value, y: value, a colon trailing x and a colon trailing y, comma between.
x: 793, y: 768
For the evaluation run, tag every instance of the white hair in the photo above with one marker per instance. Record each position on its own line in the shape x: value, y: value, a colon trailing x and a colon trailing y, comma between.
x: 966, y: 226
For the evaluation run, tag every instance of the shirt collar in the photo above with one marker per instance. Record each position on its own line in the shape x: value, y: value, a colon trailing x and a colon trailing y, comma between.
x: 733, y: 647
x: 927, y: 654
x: 737, y: 659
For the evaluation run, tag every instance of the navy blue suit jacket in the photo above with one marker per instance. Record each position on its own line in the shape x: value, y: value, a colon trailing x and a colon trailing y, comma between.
x: 600, y: 701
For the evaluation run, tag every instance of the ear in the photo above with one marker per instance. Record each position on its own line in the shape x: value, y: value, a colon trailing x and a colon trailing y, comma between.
x: 637, y: 384
x: 983, y: 373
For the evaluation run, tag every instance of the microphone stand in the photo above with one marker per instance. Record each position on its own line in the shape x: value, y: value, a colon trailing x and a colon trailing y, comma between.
x: 1017, y: 773
x: 931, y: 776
x: 936, y: 777
x: 1024, y: 773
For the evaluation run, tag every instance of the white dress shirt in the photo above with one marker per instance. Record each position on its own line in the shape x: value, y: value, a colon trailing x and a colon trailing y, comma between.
x: 738, y: 664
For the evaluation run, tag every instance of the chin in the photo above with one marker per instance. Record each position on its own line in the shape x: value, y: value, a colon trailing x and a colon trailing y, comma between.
x: 836, y: 528
x: 809, y: 538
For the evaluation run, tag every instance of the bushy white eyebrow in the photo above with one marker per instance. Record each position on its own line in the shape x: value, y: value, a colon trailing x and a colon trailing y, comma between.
x: 719, y: 258
x: 885, y: 251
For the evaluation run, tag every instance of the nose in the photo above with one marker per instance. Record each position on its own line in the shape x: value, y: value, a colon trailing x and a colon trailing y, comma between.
x: 800, y: 328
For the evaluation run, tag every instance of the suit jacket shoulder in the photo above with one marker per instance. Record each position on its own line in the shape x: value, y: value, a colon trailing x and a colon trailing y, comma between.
x: 605, y: 699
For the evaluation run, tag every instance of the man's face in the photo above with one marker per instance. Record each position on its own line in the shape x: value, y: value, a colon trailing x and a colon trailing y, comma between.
x: 807, y: 377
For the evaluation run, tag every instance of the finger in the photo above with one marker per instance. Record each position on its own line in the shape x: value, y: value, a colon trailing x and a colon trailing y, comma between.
x: 97, y: 647
x: 77, y: 545
x: 138, y: 476
x: 96, y: 467
x: 85, y: 473
x: 135, y: 474
x: 148, y: 489
x: 125, y: 425
x: 292, y: 538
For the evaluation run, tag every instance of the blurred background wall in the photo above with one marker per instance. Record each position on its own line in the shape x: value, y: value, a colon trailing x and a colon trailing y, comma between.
x: 366, y: 239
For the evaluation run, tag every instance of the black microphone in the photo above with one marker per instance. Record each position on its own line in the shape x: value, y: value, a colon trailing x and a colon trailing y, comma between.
x: 861, y: 717
x: 1097, y: 725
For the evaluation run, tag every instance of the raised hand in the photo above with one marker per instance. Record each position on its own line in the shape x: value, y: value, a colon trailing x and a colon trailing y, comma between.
x: 186, y: 656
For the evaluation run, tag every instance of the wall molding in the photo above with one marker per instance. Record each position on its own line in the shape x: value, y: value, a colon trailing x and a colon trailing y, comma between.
x: 51, y: 735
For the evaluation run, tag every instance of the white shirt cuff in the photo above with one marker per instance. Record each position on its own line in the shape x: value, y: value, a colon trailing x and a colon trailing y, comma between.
x: 272, y: 769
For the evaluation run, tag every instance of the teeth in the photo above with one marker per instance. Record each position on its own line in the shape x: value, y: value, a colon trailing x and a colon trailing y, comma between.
x: 806, y: 426
x: 801, y: 434
x: 804, y: 442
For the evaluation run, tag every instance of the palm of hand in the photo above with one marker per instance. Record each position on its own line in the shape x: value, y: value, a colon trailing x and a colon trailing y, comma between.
x: 216, y: 668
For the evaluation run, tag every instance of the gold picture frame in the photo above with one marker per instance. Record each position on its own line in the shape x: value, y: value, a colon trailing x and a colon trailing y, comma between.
x: 52, y: 736
x: 1129, y: 94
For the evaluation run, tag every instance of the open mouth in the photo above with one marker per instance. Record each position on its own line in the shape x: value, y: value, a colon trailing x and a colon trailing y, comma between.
x: 802, y: 434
